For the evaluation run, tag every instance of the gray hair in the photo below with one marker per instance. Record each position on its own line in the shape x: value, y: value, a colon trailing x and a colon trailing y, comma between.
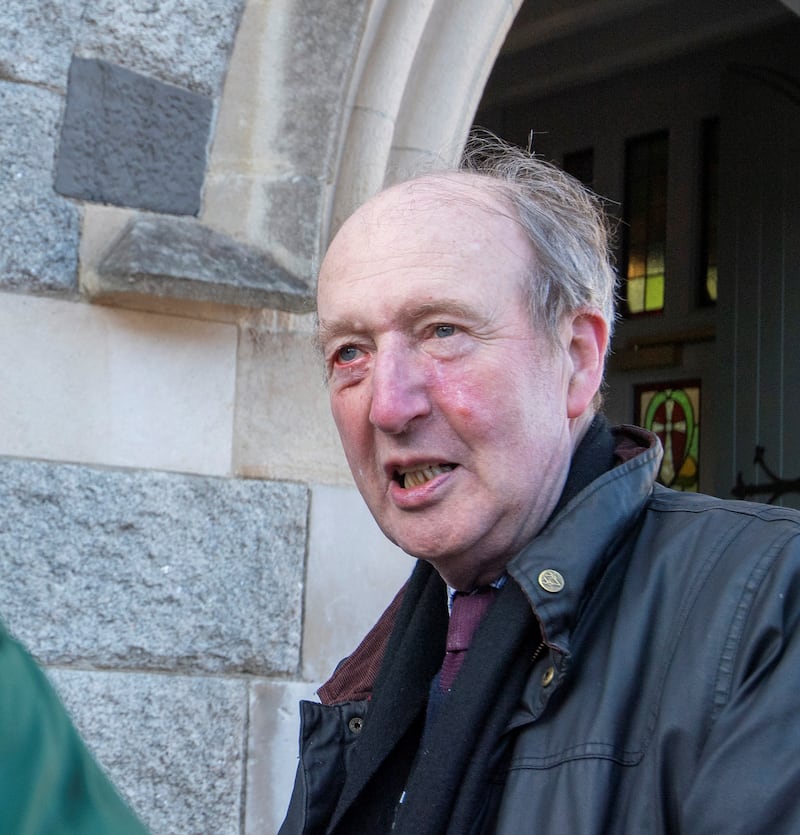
x: 565, y: 223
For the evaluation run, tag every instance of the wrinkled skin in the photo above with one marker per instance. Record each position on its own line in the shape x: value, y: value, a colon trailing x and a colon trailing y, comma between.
x: 458, y: 418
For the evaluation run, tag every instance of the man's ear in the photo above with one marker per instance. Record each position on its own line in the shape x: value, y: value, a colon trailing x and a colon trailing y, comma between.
x: 587, y: 351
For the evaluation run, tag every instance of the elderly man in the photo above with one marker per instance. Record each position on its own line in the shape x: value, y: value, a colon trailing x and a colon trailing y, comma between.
x: 634, y: 666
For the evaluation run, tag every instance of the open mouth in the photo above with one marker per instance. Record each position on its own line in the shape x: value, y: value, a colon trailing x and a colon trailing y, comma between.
x: 419, y: 475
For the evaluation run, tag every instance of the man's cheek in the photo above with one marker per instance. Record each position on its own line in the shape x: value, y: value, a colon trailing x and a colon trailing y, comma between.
x: 460, y: 395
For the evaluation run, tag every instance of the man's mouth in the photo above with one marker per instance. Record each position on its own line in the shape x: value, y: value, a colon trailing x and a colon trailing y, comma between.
x: 414, y: 477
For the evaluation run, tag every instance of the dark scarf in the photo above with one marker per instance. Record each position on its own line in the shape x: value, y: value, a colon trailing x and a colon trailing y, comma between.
x: 447, y: 787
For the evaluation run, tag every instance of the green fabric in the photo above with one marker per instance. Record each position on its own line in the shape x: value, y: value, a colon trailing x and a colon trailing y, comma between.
x: 49, y: 782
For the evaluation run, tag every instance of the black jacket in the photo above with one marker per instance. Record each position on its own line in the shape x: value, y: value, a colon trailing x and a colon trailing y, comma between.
x: 667, y: 699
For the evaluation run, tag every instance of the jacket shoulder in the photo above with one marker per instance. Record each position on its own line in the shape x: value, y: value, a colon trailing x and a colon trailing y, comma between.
x: 667, y: 500
x: 704, y: 535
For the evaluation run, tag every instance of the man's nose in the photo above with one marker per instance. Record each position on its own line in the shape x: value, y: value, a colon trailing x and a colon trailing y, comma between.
x: 399, y: 391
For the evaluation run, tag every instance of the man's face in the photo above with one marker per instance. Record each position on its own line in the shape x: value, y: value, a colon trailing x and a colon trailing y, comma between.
x: 451, y: 408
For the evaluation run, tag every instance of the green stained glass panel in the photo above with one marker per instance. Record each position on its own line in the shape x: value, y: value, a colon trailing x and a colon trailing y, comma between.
x: 672, y: 411
x: 711, y: 283
x: 645, y: 216
x: 635, y: 297
x: 654, y: 292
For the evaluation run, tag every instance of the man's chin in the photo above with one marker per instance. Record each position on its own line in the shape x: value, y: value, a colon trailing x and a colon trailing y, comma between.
x: 428, y: 542
x: 431, y: 552
x: 410, y: 533
x: 419, y: 552
x: 440, y: 558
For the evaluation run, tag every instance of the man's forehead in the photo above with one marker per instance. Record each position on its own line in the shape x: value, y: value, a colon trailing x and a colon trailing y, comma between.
x: 436, y: 215
x: 437, y: 193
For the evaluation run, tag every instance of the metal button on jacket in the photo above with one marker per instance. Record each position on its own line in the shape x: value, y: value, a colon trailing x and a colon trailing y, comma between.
x: 551, y: 580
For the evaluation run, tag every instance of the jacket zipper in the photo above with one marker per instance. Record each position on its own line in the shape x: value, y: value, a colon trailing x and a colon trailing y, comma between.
x: 538, y: 652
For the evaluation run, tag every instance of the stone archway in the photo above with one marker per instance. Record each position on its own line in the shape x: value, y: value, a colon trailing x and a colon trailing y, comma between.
x: 324, y: 102
x: 421, y: 77
x: 363, y: 89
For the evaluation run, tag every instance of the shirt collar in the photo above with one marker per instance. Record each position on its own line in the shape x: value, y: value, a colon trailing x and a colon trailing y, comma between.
x: 451, y: 592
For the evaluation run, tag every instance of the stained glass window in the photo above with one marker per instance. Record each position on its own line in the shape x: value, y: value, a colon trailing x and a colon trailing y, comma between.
x: 672, y: 411
x: 709, y: 211
x: 645, y: 226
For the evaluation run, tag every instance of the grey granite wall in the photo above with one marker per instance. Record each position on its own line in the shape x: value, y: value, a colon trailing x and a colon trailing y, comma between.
x: 180, y: 43
x: 183, y: 42
x: 175, y: 745
x: 166, y: 608
x: 160, y: 604
x: 38, y: 228
x: 152, y: 571
x: 157, y: 601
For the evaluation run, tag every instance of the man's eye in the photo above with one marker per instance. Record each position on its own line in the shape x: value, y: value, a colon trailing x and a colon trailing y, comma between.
x: 443, y: 331
x: 347, y: 353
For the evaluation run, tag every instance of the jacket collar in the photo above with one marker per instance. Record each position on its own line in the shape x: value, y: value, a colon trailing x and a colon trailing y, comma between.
x: 576, y: 543
x: 559, y: 567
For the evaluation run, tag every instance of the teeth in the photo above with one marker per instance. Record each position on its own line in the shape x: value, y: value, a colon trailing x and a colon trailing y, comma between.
x: 415, y: 478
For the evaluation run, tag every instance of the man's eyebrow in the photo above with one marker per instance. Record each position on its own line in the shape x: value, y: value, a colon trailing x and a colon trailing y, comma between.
x: 331, y: 330
x: 444, y: 308
x: 439, y: 307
